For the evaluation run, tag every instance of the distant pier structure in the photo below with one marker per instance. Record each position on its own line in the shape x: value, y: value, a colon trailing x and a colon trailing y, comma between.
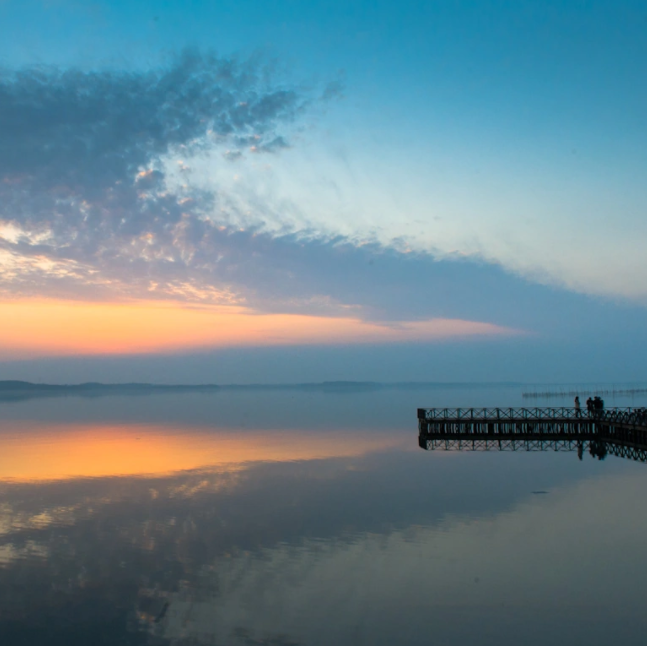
x: 614, y: 431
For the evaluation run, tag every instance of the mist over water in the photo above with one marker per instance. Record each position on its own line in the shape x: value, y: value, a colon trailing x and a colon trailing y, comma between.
x: 307, y: 517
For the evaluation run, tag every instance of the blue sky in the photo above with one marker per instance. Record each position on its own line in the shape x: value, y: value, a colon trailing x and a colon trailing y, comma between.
x: 473, y: 161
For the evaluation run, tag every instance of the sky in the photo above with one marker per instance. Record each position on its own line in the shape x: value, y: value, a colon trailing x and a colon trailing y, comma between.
x: 258, y: 192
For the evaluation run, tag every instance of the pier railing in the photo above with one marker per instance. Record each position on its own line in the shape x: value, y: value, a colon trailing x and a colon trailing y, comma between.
x: 536, y: 414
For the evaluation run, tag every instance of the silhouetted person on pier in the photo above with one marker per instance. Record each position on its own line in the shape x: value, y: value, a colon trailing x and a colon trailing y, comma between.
x: 578, y: 409
x: 589, y: 406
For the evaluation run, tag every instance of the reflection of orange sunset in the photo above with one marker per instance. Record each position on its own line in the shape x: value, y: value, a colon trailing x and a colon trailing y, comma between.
x: 50, y: 327
x: 48, y: 452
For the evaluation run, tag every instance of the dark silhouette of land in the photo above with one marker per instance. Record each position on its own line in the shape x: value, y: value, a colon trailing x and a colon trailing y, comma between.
x: 20, y: 390
x: 14, y: 390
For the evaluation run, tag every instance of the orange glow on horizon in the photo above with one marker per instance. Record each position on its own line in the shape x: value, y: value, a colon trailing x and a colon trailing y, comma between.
x: 39, y: 452
x: 32, y: 327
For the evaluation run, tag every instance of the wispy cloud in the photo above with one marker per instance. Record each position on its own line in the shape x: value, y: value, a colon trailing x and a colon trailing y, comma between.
x: 81, y: 178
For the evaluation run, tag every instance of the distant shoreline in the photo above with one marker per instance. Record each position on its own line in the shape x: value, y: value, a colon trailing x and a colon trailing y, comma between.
x: 28, y: 386
x: 15, y: 390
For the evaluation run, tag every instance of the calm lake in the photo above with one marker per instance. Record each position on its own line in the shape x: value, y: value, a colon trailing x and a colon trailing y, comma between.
x: 292, y: 517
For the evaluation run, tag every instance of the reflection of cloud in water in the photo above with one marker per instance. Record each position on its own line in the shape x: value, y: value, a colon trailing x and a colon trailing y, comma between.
x: 360, y: 550
x: 34, y: 452
x: 536, y: 558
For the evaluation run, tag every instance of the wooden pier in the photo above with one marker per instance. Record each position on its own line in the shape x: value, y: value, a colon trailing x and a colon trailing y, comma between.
x: 615, y: 431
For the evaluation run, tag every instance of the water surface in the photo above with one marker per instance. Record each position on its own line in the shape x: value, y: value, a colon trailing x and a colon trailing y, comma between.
x: 291, y: 517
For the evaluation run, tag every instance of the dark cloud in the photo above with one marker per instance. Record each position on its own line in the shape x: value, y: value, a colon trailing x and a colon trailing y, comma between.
x: 81, y: 178
x: 278, y: 143
x: 334, y: 90
x: 82, y: 130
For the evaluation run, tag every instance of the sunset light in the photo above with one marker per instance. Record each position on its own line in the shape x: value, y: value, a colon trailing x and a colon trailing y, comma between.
x: 34, y: 452
x: 44, y: 327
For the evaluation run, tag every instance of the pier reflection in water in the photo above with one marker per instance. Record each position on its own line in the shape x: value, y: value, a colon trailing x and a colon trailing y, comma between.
x: 595, y: 448
x: 314, y: 533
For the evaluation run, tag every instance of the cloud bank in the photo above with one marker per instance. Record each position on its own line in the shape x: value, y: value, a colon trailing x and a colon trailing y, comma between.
x: 97, y: 204
x: 96, y: 200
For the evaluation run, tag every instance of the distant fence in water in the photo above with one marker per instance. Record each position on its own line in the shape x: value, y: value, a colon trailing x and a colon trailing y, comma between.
x: 615, y: 431
x: 607, y: 392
